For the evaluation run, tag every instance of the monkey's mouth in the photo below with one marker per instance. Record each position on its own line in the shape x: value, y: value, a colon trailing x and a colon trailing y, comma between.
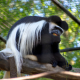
x: 56, y: 32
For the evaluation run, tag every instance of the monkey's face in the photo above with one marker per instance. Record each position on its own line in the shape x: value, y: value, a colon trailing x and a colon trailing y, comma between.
x: 55, y: 29
x: 51, y: 33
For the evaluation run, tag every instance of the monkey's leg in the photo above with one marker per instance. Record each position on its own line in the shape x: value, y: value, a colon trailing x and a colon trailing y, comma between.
x: 46, y: 55
x: 62, y: 62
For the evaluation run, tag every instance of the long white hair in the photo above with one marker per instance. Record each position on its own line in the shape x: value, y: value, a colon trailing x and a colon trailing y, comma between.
x: 28, y: 33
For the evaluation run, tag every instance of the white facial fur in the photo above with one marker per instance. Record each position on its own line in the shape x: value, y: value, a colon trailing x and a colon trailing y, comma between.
x: 52, y: 26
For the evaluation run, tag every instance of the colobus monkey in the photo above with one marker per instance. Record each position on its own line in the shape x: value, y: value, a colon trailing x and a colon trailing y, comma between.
x: 38, y: 36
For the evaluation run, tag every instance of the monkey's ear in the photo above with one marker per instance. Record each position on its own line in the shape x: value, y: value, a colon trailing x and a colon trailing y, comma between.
x: 54, y: 19
x: 64, y: 25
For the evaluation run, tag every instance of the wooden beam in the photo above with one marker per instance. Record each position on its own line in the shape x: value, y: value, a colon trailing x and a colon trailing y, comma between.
x: 33, y: 67
x: 2, y: 39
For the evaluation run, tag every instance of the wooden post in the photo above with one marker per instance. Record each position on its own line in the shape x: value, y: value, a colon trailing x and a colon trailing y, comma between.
x: 13, y: 70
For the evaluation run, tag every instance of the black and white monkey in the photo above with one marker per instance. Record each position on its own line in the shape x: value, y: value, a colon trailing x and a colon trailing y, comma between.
x: 38, y: 36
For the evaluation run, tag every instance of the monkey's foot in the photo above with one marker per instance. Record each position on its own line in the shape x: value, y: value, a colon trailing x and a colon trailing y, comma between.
x: 67, y: 67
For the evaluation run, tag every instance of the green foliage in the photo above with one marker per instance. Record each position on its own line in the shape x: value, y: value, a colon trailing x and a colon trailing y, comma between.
x: 2, y: 45
x: 1, y: 74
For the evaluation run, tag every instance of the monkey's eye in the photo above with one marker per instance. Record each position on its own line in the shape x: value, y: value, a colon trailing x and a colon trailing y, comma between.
x: 55, y: 34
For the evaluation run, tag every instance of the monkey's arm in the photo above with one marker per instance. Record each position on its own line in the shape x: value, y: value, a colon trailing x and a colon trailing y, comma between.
x: 62, y: 62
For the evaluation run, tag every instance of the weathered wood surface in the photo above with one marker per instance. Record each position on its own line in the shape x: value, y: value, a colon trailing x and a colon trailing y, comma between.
x: 33, y: 67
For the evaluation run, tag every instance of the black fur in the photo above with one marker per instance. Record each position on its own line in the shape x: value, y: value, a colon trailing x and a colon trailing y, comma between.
x: 59, y: 22
x: 47, y: 50
x: 31, y: 19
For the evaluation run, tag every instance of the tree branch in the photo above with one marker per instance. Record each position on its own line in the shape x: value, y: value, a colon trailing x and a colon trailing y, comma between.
x: 66, y: 11
x: 2, y: 39
x: 33, y: 67
x: 65, y: 73
x: 70, y: 49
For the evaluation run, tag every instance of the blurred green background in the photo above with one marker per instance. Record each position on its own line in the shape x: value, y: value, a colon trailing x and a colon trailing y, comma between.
x: 13, y: 10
